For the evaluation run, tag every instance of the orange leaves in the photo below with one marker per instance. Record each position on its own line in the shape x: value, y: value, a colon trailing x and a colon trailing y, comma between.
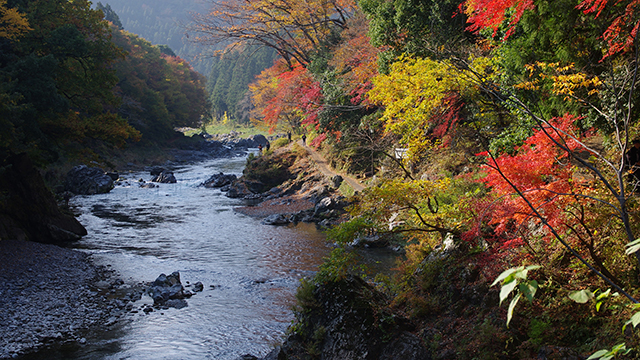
x: 281, y: 94
x: 491, y: 14
x: 357, y: 59
x: 12, y: 23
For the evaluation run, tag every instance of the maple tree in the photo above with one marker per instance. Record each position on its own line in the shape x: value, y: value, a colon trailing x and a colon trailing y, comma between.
x: 621, y: 33
x: 286, y: 95
x: 356, y: 58
x: 492, y: 14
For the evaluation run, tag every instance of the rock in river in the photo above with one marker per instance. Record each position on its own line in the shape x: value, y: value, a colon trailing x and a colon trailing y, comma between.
x: 219, y: 180
x: 165, y: 177
x: 165, y: 289
x: 84, y: 180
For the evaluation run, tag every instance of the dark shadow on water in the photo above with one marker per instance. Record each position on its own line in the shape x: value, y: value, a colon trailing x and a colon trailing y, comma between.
x: 128, y: 217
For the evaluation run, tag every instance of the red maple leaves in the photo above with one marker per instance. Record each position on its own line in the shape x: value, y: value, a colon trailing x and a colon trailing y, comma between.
x: 541, y: 172
x: 491, y: 14
x: 621, y: 34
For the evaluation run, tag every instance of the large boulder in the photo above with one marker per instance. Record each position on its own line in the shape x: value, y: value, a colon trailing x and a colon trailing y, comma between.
x: 28, y: 210
x: 219, y: 180
x: 346, y: 320
x: 165, y: 177
x: 259, y: 140
x: 84, y: 180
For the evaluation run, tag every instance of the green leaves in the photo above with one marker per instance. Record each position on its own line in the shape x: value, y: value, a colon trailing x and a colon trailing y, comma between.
x: 599, y: 297
x: 632, y: 247
x: 620, y: 349
x: 516, y: 279
x: 581, y: 296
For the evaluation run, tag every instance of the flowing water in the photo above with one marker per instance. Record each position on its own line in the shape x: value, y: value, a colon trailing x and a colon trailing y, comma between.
x: 254, y: 268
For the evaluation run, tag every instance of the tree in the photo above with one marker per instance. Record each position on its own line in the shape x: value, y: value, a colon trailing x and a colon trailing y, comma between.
x: 110, y: 15
x: 416, y: 27
x: 161, y: 92
x: 492, y: 14
x: 14, y: 24
x: 59, y: 77
x: 293, y: 29
x: 292, y: 95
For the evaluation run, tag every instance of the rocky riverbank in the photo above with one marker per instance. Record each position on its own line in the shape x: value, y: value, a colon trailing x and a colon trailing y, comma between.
x: 287, y: 187
x: 51, y: 296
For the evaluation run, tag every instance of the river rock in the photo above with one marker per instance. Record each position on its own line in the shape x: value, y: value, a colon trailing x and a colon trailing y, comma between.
x: 28, y: 210
x: 323, y: 205
x: 347, y: 320
x: 165, y: 177
x: 84, y: 180
x: 277, y: 219
x: 246, y: 189
x: 166, y: 288
x: 219, y: 180
x: 156, y: 170
x: 336, y: 181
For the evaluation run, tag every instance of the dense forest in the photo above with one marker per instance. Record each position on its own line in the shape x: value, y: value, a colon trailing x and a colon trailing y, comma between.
x: 163, y: 22
x: 72, y: 84
x: 230, y: 76
x: 516, y: 121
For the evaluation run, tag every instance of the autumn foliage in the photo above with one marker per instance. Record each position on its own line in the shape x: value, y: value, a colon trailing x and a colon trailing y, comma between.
x: 286, y: 95
x: 492, y: 14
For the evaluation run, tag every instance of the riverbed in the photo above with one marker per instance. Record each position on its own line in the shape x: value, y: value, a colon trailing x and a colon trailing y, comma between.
x: 250, y: 271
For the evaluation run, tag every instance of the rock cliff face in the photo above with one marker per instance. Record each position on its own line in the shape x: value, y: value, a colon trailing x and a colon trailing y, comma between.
x: 28, y: 210
x: 347, y: 320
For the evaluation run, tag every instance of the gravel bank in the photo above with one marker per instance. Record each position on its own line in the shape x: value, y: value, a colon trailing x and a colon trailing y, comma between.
x: 50, y: 295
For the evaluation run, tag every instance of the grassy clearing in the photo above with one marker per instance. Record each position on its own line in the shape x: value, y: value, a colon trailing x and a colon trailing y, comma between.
x: 220, y: 128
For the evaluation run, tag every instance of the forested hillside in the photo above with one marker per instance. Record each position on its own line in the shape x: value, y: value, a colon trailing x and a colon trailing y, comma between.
x: 516, y: 122
x: 162, y: 22
x: 229, y: 79
x: 71, y: 84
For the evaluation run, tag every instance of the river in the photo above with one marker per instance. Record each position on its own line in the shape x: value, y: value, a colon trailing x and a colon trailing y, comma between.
x: 250, y: 271
x: 255, y: 268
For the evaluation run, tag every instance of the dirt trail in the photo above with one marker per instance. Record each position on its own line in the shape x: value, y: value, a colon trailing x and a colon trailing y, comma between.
x: 323, y: 166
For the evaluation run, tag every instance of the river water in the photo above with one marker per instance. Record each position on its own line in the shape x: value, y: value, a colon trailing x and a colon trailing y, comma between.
x: 255, y: 268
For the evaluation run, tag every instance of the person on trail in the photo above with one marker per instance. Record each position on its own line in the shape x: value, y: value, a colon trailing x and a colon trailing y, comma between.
x: 289, y: 135
x: 268, y: 146
x: 304, y: 139
x: 260, y: 148
x: 633, y: 161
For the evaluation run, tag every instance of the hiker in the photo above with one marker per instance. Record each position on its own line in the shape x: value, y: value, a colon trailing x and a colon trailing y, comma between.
x: 304, y: 139
x: 289, y: 135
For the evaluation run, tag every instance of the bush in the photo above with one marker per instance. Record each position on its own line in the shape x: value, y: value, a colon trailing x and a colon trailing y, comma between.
x: 280, y: 142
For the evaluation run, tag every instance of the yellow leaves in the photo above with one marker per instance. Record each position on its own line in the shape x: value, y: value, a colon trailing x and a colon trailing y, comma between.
x: 416, y: 89
x: 12, y: 23
x: 563, y: 80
